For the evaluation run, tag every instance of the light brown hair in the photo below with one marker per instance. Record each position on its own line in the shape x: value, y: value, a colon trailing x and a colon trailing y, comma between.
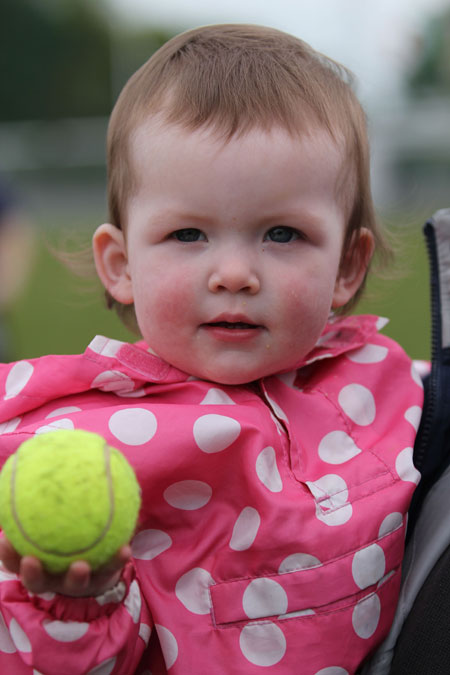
x: 233, y: 78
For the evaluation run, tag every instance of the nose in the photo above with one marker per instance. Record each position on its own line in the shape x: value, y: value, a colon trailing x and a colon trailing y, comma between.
x: 234, y: 274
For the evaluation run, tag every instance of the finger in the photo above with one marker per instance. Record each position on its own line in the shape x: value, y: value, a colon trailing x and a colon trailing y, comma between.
x: 114, y: 565
x: 118, y: 561
x: 32, y: 574
x: 77, y: 578
x: 125, y: 554
x: 9, y: 556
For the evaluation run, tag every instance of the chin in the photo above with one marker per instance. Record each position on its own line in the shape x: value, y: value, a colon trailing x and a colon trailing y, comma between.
x: 230, y: 377
x: 232, y: 381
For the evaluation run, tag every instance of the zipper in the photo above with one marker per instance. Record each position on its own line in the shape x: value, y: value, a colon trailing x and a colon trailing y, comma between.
x: 436, y: 330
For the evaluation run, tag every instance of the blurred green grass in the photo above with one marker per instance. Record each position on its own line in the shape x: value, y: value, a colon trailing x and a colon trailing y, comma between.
x: 58, y: 313
x: 405, y: 297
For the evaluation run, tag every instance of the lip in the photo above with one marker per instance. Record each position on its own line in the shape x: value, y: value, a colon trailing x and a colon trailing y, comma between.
x: 232, y: 328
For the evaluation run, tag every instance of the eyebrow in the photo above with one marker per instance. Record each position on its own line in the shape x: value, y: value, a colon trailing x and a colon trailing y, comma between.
x: 179, y: 214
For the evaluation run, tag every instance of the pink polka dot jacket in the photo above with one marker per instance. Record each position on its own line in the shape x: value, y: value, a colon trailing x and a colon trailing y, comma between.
x: 271, y: 533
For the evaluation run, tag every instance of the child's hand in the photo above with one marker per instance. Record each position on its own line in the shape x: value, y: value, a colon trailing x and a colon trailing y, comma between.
x: 78, y: 581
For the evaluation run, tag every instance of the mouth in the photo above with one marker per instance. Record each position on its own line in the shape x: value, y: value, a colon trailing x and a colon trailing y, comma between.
x: 232, y: 328
x: 233, y: 325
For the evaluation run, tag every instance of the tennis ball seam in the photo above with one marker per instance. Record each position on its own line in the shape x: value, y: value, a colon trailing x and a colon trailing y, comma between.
x: 52, y: 551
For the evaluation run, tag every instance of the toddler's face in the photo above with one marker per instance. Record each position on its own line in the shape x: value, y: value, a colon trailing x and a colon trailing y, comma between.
x: 232, y: 249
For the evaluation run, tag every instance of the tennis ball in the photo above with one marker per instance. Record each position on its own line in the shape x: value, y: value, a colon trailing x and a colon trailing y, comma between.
x: 66, y: 496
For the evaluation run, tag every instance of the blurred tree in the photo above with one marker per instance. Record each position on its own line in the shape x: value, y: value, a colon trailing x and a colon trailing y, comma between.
x: 430, y: 73
x: 57, y: 59
x: 130, y: 48
x: 55, y: 63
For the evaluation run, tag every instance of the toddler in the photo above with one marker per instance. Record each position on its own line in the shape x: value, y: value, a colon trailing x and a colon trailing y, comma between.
x: 272, y: 440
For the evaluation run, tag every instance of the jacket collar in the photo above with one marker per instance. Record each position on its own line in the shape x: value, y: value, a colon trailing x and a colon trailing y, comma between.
x: 339, y: 337
x: 129, y: 369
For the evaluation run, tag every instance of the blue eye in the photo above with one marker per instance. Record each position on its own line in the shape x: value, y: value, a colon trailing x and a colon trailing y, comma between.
x: 188, y: 234
x: 282, y: 234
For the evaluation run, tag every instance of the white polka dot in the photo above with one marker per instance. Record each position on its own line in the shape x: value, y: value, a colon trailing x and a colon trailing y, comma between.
x: 217, y: 397
x: 405, y: 467
x: 368, y: 354
x: 105, y: 346
x: 168, y: 643
x: 368, y: 566
x: 292, y: 615
x: 263, y: 644
x: 245, y: 529
x: 188, y: 494
x: 423, y: 368
x: 276, y: 409
x: 10, y: 426
x: 145, y: 632
x: 358, y: 403
x: 112, y: 595
x: 289, y: 378
x: 113, y: 380
x: 392, y: 522
x: 264, y: 597
x: 385, y: 578
x: 19, y: 637
x: 335, y: 518
x: 48, y: 596
x: 18, y: 378
x: 65, y: 631
x: 331, y: 494
x: 148, y: 544
x: 413, y: 415
x: 5, y: 575
x: 381, y: 322
x: 133, y: 602
x: 326, y: 338
x: 214, y: 433
x: 97, y: 343
x: 279, y: 426
x: 63, y: 411
x: 321, y: 357
x: 337, y: 447
x: 267, y: 470
x: 104, y: 668
x: 6, y: 644
x: 137, y: 393
x: 298, y: 561
x: 416, y: 376
x: 332, y: 670
x: 192, y: 590
x: 133, y: 426
x: 330, y: 490
x: 366, y: 616
x: 58, y: 425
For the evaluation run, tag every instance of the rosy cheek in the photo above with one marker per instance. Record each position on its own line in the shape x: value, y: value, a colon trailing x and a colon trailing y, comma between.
x: 171, y: 295
x: 303, y: 304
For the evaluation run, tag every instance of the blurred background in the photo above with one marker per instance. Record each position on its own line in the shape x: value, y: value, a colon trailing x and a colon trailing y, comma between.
x: 63, y: 64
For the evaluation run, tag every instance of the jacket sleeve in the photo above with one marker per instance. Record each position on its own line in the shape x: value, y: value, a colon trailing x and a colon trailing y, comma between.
x: 54, y: 634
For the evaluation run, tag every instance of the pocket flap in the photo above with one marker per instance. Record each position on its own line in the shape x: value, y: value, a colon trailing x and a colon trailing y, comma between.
x: 319, y: 588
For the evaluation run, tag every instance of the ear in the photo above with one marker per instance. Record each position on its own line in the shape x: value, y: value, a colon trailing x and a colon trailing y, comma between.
x: 111, y: 261
x: 354, y: 265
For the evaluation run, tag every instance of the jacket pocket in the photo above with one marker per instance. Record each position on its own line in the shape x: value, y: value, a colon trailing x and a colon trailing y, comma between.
x: 319, y: 589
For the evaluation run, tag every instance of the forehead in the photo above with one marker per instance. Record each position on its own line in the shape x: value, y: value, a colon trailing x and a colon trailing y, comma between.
x: 261, y: 174
x: 155, y: 145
